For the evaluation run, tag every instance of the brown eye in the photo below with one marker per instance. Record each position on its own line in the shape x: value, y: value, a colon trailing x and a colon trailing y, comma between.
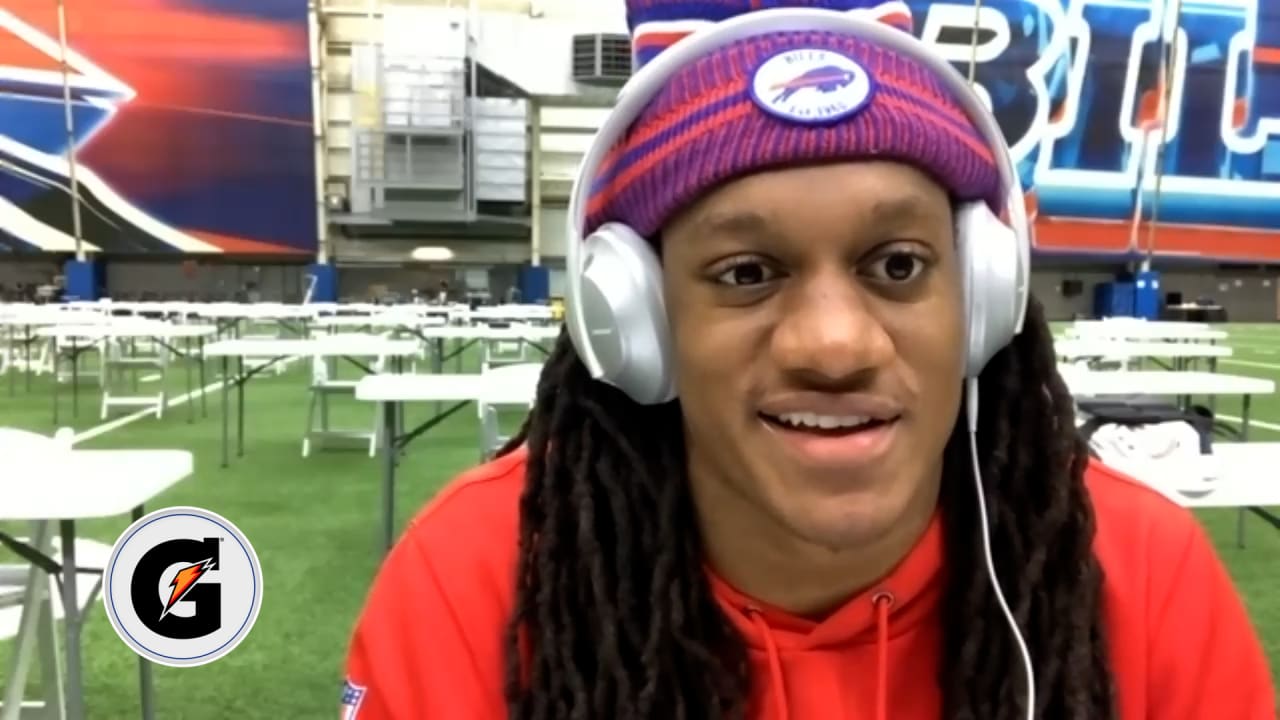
x: 898, y: 267
x: 745, y: 274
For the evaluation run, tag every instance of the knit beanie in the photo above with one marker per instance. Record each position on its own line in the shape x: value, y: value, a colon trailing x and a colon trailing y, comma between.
x: 776, y: 100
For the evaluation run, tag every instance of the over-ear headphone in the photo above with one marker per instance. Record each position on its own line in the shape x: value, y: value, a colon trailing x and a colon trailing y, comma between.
x: 614, y: 306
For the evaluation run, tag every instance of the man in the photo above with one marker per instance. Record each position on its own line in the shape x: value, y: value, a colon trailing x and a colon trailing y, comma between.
x: 798, y: 534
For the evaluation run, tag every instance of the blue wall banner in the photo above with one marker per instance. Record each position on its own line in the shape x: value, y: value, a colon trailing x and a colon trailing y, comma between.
x: 1078, y: 88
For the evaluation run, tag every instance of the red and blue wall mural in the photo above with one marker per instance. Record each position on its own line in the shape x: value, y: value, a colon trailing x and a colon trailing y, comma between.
x: 1079, y: 91
x: 191, y: 122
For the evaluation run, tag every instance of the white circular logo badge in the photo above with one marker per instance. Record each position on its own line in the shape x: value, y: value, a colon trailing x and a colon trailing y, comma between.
x: 811, y: 85
x: 183, y: 586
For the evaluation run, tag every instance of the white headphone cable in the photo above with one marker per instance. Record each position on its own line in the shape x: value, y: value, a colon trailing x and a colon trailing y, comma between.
x: 971, y: 403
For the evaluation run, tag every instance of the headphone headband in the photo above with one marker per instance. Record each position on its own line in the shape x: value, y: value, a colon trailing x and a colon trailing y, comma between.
x: 649, y: 80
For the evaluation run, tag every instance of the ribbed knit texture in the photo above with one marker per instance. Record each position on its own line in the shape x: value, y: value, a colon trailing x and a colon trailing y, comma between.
x: 704, y: 128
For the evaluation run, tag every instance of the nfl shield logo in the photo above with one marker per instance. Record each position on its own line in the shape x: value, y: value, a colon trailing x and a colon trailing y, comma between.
x: 352, y: 696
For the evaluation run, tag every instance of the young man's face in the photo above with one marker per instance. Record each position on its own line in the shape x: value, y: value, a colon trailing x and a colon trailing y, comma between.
x: 817, y: 314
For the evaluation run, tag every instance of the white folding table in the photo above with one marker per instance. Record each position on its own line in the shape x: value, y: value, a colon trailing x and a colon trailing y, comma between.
x: 1234, y: 476
x: 466, y: 336
x: 505, y: 385
x: 391, y: 320
x: 66, y: 485
x: 1126, y: 383
x: 1180, y: 353
x: 1120, y: 320
x: 1087, y: 383
x: 348, y: 346
x: 1238, y: 478
x: 162, y: 333
x: 1178, y: 332
x: 232, y: 317
x: 511, y: 312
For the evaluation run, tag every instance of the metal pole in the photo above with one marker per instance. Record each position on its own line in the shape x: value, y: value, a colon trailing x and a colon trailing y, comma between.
x: 473, y: 43
x: 70, y: 127
x: 535, y: 181
x: 1166, y: 98
x: 973, y: 41
x: 319, y: 96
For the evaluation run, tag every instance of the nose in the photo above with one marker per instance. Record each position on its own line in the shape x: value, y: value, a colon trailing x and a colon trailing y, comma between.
x: 828, y: 333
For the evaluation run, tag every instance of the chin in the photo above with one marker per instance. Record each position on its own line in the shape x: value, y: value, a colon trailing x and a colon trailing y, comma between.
x: 838, y: 524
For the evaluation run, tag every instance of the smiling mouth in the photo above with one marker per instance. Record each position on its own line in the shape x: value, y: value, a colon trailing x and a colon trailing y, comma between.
x: 833, y: 441
x: 824, y: 425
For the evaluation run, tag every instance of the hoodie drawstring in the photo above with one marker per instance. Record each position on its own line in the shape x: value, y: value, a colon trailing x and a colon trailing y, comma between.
x: 883, y: 601
x: 775, y: 663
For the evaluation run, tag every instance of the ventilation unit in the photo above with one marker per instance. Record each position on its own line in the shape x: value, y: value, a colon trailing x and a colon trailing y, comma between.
x: 601, y: 59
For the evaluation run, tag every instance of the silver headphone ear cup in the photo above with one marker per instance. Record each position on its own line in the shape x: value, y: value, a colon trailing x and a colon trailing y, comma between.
x: 623, y: 319
x: 990, y: 260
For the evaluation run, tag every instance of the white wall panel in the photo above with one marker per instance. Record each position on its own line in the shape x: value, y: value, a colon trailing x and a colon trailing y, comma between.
x: 354, y: 29
x: 609, y: 15
x: 565, y: 143
x: 339, y: 164
x: 339, y: 137
x: 338, y: 68
x: 556, y: 281
x: 552, y: 227
x: 339, y: 106
x: 577, y: 118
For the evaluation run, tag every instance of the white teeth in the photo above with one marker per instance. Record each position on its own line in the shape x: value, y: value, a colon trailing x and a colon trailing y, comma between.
x: 824, y: 422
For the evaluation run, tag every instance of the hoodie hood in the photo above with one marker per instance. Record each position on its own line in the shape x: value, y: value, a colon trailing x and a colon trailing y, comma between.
x: 862, y: 638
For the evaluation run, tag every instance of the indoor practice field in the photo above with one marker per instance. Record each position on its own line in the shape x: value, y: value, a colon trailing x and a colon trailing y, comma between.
x: 274, y: 273
x: 313, y: 522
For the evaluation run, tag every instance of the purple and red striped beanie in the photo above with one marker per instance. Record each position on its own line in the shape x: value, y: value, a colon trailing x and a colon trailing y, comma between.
x: 788, y: 98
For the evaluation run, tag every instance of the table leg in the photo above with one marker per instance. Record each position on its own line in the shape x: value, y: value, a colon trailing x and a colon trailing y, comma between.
x: 389, y: 424
x: 239, y: 407
x: 204, y: 403
x: 399, y: 368
x: 75, y: 379
x: 54, y: 343
x: 226, y: 378
x: 71, y: 622
x: 26, y: 354
x: 146, y: 686
x: 129, y: 349
x: 34, y: 619
x: 437, y: 366
x: 186, y: 359
x: 8, y: 350
x: 1244, y: 437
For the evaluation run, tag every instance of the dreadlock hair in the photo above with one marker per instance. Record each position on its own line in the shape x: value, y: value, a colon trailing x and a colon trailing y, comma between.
x: 614, y: 617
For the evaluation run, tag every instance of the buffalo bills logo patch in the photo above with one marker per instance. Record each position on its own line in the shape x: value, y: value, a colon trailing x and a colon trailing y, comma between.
x: 811, y: 85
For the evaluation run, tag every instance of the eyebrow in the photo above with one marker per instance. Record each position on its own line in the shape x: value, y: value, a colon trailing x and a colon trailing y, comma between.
x: 885, y: 211
x: 739, y: 222
x: 899, y: 209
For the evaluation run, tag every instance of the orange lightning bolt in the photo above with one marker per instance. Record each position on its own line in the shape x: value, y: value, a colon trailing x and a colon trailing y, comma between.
x: 183, y: 581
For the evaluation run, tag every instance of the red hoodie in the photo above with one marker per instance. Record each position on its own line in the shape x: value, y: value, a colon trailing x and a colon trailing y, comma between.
x: 429, y: 643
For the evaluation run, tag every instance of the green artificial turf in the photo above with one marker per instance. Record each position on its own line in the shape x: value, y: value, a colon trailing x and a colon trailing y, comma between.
x: 314, y: 524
